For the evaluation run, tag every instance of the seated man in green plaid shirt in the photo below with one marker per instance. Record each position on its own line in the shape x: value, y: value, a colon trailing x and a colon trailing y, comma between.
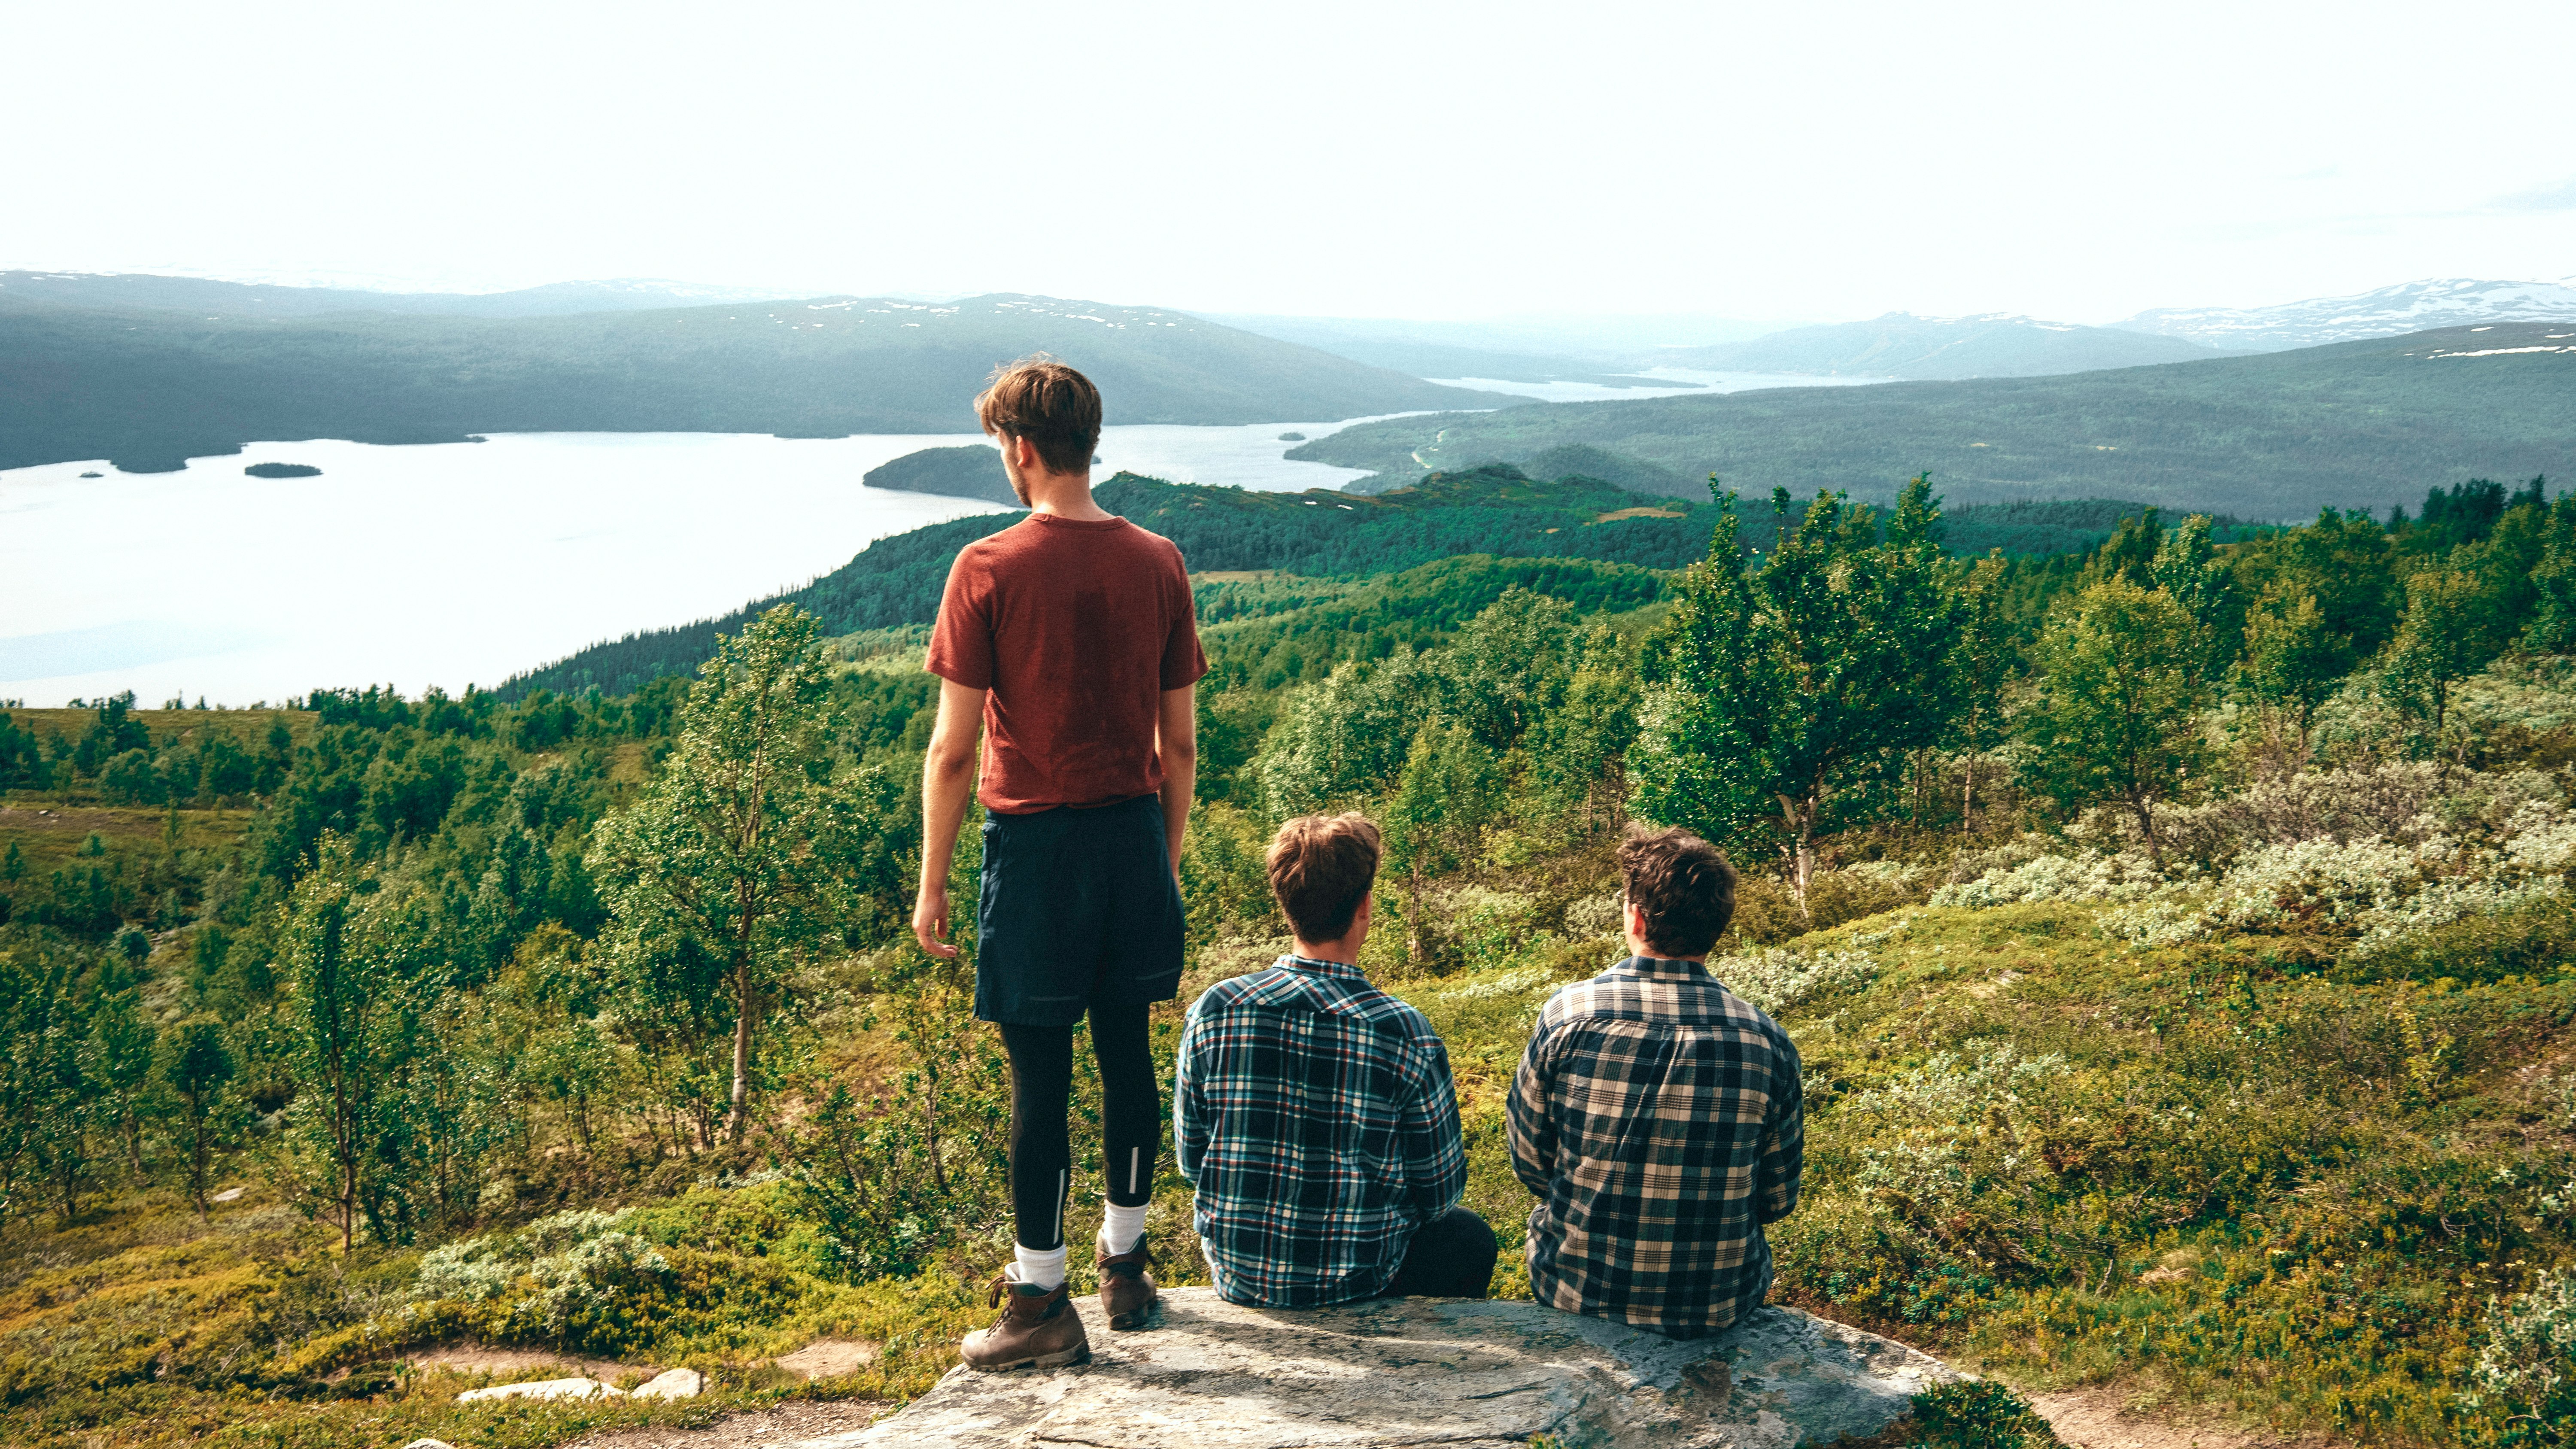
x: 1657, y: 1115
x: 1315, y: 1112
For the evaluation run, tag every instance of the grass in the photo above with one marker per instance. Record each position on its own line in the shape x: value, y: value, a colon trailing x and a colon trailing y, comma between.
x: 2206, y: 1171
x: 247, y: 727
x: 108, y: 1328
x: 52, y: 835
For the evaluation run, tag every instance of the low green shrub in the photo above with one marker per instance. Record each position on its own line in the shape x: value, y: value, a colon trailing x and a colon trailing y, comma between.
x: 2524, y: 1382
x: 1977, y: 1414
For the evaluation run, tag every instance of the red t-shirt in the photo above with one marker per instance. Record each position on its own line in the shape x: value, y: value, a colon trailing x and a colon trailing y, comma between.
x: 1076, y: 627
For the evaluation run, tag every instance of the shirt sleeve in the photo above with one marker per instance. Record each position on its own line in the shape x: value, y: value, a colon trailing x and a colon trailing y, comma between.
x: 961, y: 643
x: 1183, y: 661
x: 1784, y: 1143
x: 1526, y: 1120
x: 1189, y: 1114
x: 1435, y: 1149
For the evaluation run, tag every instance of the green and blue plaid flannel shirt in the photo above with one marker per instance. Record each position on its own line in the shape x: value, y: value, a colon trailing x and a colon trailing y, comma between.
x: 1316, y: 1115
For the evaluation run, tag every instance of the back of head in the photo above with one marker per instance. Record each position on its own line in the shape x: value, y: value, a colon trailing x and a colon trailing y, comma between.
x: 1681, y: 886
x: 1054, y: 407
x: 1321, y: 868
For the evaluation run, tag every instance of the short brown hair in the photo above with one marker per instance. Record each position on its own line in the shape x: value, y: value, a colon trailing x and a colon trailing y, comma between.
x: 1682, y: 887
x: 1054, y: 407
x: 1321, y: 868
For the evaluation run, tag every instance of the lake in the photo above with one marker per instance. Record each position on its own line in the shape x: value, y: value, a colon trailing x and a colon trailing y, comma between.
x: 460, y: 563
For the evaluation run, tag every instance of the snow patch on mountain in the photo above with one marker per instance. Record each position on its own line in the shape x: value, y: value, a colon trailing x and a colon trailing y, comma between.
x: 2388, y: 312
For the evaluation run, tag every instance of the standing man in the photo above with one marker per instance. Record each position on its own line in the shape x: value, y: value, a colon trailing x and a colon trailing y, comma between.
x: 1658, y: 1115
x: 1070, y: 642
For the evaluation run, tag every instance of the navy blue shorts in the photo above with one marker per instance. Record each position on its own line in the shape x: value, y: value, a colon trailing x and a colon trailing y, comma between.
x: 1078, y: 908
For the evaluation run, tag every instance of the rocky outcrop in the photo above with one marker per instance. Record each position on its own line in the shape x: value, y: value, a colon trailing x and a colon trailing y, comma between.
x: 673, y: 1384
x: 1396, y: 1373
x: 543, y: 1389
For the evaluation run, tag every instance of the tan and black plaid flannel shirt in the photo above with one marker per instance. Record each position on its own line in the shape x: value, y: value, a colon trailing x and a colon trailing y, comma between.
x: 1657, y: 1116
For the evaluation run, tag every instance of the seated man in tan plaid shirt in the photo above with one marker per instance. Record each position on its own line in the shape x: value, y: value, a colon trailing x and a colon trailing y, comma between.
x: 1657, y: 1115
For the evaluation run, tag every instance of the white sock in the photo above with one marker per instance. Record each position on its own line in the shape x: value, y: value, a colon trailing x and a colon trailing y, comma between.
x: 1121, y: 1227
x: 1041, y: 1266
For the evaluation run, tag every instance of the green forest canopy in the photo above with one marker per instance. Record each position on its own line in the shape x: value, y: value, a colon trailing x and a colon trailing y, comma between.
x: 1496, y: 510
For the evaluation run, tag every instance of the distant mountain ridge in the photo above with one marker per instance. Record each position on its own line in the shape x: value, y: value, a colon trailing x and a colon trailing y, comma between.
x: 262, y: 299
x: 150, y: 388
x: 2265, y: 437
x: 1900, y: 344
x: 2388, y: 312
x: 1590, y: 349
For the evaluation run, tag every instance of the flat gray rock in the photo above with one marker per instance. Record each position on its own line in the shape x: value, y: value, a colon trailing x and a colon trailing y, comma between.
x: 1399, y: 1372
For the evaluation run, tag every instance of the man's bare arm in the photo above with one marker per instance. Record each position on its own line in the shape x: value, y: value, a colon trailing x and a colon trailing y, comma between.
x: 1176, y: 739
x: 947, y: 778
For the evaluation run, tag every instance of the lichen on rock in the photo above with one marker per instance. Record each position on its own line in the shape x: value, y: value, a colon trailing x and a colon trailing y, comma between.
x: 1415, y: 1371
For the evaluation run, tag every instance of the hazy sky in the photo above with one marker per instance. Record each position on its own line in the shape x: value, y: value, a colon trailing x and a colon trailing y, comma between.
x: 1386, y: 159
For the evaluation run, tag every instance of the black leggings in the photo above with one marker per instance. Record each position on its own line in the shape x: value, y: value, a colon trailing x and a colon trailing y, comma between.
x: 1131, y: 1126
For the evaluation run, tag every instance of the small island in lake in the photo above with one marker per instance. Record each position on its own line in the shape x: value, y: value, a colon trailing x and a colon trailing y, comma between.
x: 93, y: 475
x: 1292, y: 437
x: 283, y: 470
x: 971, y: 471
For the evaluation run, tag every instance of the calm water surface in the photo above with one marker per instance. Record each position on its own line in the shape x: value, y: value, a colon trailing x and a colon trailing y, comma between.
x: 463, y: 562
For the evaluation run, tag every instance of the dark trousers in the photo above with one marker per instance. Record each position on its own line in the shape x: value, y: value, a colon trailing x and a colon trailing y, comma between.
x: 1131, y: 1126
x: 1451, y: 1256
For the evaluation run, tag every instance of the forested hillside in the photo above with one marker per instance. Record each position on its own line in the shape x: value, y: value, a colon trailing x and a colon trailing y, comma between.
x: 149, y: 388
x: 1497, y: 510
x: 896, y: 581
x: 2176, y: 934
x: 971, y: 471
x: 2276, y: 436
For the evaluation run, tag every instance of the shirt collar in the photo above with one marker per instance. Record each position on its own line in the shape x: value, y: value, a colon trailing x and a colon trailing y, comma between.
x: 1340, y: 969
x: 1663, y: 968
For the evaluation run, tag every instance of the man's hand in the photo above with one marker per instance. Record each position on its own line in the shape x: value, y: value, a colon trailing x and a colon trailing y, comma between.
x: 930, y: 922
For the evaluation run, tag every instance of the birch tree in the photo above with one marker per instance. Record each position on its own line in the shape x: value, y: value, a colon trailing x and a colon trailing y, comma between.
x: 745, y: 854
x: 1787, y: 694
x: 2117, y: 715
x: 1436, y: 819
x: 353, y: 948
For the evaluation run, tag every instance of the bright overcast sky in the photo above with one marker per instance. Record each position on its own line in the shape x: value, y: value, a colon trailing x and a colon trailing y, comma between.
x: 1469, y: 160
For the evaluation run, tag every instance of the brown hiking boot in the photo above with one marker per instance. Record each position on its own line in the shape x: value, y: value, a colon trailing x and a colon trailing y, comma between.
x: 1126, y: 1289
x: 1038, y: 1329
